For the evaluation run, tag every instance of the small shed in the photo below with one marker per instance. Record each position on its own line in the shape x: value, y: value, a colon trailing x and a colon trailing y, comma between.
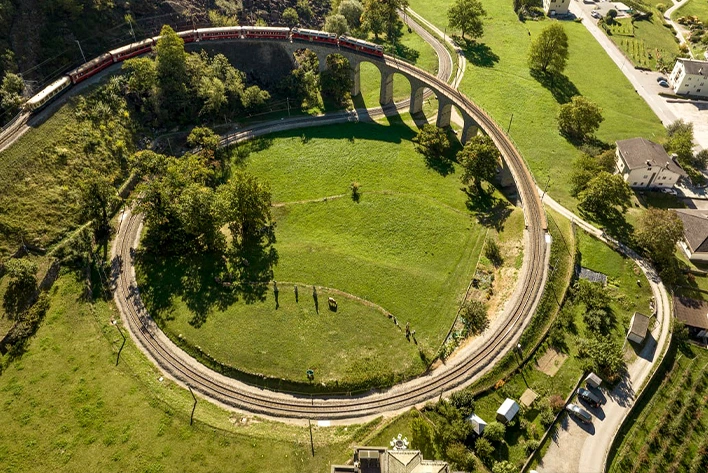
x: 638, y: 327
x: 478, y: 424
x: 593, y: 380
x: 507, y: 411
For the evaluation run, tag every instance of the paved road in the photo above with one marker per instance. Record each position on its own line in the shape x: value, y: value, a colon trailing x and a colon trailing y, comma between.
x: 668, y: 110
x: 577, y: 448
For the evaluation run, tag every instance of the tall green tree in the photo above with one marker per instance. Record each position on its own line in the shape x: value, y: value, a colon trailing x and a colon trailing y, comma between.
x: 245, y: 207
x: 605, y: 192
x: 580, y: 118
x: 336, y: 24
x: 479, y: 159
x: 422, y: 437
x: 549, y: 51
x: 204, y: 137
x: 374, y: 17
x: 290, y: 17
x: 352, y: 11
x: 659, y: 231
x: 11, y: 90
x: 337, y: 79
x: 171, y: 69
x: 96, y: 199
x: 432, y: 142
x: 254, y: 98
x: 680, y: 142
x: 466, y: 15
x: 142, y: 76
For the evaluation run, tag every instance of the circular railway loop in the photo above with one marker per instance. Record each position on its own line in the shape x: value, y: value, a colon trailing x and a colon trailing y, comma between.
x: 458, y: 371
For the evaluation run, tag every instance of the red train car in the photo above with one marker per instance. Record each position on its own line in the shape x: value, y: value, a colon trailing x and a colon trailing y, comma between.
x: 92, y: 67
x: 267, y: 32
x: 212, y: 34
x: 361, y: 46
x: 132, y: 50
x: 314, y: 36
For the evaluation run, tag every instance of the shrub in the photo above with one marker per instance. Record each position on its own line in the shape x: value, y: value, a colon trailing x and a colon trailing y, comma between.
x: 474, y: 316
x: 556, y: 403
x: 356, y: 191
x: 661, y: 7
x: 547, y: 417
x: 504, y: 467
x: 494, y: 432
x: 463, y: 401
x: 493, y: 253
x: 531, y: 445
x: 483, y: 448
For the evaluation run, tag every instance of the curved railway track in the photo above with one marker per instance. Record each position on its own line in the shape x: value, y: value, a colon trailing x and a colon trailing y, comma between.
x: 457, y: 372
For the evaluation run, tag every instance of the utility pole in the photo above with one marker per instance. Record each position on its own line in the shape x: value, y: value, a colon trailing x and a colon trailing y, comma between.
x: 191, y: 419
x: 80, y: 49
x: 312, y: 442
x: 122, y: 345
x: 510, y: 120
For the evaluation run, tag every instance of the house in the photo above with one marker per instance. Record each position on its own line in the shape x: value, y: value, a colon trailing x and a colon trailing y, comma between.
x: 638, y: 327
x: 477, y: 423
x: 382, y: 460
x: 556, y: 7
x: 644, y: 164
x: 695, y: 233
x: 693, y: 314
x: 507, y: 411
x: 690, y: 77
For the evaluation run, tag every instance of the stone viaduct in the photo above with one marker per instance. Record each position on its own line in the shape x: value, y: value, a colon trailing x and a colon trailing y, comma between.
x: 387, y: 69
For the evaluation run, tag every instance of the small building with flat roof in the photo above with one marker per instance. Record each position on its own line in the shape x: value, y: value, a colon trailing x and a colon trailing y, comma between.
x: 695, y: 233
x: 638, y: 326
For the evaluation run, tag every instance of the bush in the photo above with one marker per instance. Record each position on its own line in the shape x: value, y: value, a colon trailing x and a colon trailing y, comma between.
x: 474, y: 316
x: 483, y: 448
x: 463, y: 401
x: 493, y: 253
x: 556, y: 403
x: 661, y: 7
x: 494, y: 432
x: 547, y: 417
x: 531, y: 446
x: 356, y: 191
x: 504, y: 467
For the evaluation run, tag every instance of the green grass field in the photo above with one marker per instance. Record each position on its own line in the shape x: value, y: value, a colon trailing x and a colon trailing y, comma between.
x: 409, y: 246
x: 697, y: 8
x: 667, y: 431
x: 66, y: 407
x: 498, y: 79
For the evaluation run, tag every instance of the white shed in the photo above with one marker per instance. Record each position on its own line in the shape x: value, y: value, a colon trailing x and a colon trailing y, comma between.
x: 478, y: 424
x: 593, y: 380
x: 507, y: 411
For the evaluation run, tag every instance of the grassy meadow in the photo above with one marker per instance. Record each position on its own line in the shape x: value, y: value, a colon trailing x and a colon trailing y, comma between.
x: 498, y: 79
x: 409, y: 245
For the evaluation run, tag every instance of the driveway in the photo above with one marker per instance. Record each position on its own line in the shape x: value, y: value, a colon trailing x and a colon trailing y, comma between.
x: 668, y: 110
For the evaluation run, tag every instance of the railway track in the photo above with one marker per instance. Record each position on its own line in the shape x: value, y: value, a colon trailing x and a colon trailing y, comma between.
x: 457, y: 372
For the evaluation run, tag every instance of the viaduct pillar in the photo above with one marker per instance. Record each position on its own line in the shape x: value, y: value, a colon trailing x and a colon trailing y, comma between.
x: 386, y: 94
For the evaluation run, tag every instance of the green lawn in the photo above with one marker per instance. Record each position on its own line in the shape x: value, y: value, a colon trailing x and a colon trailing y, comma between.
x: 66, y: 407
x: 698, y: 8
x: 644, y: 42
x: 667, y: 430
x: 498, y: 79
x: 409, y: 246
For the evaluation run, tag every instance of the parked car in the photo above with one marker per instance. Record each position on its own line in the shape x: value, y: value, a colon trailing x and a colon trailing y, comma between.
x: 595, y: 14
x: 589, y: 397
x: 579, y: 413
x: 660, y: 78
x: 663, y: 83
x: 668, y: 190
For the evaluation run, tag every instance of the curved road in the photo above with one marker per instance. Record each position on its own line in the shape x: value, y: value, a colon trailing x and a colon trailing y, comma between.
x: 455, y: 373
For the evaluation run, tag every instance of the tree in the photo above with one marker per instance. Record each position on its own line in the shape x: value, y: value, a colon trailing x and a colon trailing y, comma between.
x: 603, y: 193
x: 680, y: 142
x: 658, y: 232
x: 373, y: 18
x: 479, y: 159
x: 290, y: 17
x: 504, y: 467
x: 304, y: 81
x: 21, y: 288
x: 611, y: 14
x: 253, y: 98
x: 336, y: 24
x: 492, y: 252
x: 484, y: 448
x: 198, y: 214
x: 549, y: 52
x: 474, y: 316
x: 337, y: 79
x: 464, y: 402
x: 303, y: 9
x: 604, y: 356
x: 96, y: 199
x: 432, y: 142
x: 204, y: 137
x: 460, y: 457
x: 352, y: 10
x: 11, y: 90
x: 422, y: 437
x: 171, y: 69
x: 466, y: 15
x: 579, y: 118
x: 495, y: 432
x: 245, y: 206
x: 142, y: 76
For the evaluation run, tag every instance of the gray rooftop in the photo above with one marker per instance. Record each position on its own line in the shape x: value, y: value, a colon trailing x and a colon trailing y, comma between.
x: 640, y: 153
x: 695, y: 67
x: 695, y: 228
x: 691, y: 312
x: 640, y: 324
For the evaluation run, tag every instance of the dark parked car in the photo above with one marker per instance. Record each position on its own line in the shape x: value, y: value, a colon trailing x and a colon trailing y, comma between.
x: 663, y: 83
x: 580, y: 413
x: 660, y: 78
x: 589, y: 397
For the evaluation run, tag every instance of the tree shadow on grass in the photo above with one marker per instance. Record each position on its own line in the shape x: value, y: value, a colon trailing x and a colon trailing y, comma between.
x: 238, y: 153
x: 490, y: 211
x: 613, y: 223
x: 559, y: 85
x: 479, y: 54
